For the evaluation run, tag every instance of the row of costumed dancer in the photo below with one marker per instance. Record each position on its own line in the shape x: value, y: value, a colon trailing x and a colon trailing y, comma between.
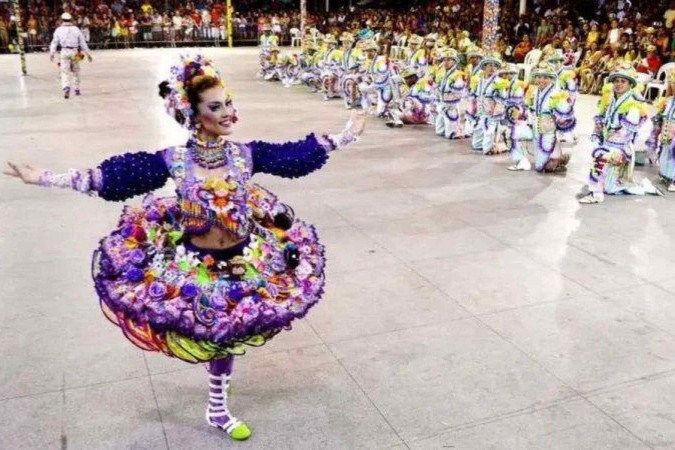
x: 484, y: 100
x: 223, y: 265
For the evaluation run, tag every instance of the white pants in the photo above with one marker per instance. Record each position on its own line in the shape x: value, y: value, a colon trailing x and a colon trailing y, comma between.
x: 484, y: 134
x: 69, y: 68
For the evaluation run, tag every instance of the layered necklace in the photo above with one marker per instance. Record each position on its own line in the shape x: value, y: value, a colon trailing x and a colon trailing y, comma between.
x: 210, y: 154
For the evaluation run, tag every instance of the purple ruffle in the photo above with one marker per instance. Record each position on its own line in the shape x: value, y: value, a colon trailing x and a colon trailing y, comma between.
x: 200, y: 299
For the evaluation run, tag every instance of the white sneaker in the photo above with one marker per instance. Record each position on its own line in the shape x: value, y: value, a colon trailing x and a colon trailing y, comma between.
x: 671, y: 187
x: 523, y: 164
x: 592, y: 197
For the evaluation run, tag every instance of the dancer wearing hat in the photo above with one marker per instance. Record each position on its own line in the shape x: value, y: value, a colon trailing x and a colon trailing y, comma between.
x: 72, y: 44
x: 376, y: 87
x: 566, y: 80
x: 416, y: 97
x: 289, y: 69
x: 224, y: 264
x: 416, y: 56
x: 267, y: 39
x: 310, y: 73
x: 550, y: 112
x: 269, y: 67
x: 662, y: 141
x: 330, y: 68
x: 474, y: 55
x: 489, y: 109
x: 352, y: 57
x: 620, y: 115
x: 452, y: 87
x: 513, y: 128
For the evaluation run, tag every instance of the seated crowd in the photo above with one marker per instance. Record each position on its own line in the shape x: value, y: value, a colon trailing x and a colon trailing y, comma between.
x: 640, y: 32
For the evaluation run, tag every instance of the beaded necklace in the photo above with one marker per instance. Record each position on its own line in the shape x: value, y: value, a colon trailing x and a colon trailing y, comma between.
x: 211, y: 154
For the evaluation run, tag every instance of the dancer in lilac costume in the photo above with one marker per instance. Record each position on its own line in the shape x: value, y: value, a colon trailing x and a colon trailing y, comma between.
x: 222, y: 265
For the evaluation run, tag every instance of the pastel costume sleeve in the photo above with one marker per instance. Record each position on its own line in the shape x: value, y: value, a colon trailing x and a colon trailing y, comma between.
x: 563, y: 111
x: 424, y: 93
x: 657, y: 122
x: 501, y: 92
x: 299, y: 158
x: 115, y: 179
x: 633, y: 118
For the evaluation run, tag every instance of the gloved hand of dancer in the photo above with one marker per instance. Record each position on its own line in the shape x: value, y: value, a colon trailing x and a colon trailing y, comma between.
x: 24, y: 172
x: 356, y: 123
x: 352, y: 130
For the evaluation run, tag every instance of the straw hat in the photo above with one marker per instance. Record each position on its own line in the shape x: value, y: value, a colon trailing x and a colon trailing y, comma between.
x: 544, y: 69
x: 491, y: 59
x: 626, y: 72
x: 448, y: 53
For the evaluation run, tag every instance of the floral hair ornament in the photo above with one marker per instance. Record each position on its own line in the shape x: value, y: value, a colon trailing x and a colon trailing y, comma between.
x: 187, y: 73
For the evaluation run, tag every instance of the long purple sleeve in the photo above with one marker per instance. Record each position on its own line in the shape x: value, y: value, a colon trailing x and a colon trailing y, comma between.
x: 290, y: 159
x: 131, y: 174
x: 115, y: 179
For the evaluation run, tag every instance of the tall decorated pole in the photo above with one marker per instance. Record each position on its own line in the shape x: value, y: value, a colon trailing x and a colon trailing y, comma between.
x: 303, y: 21
x: 19, y: 35
x: 229, y: 23
x: 490, y: 24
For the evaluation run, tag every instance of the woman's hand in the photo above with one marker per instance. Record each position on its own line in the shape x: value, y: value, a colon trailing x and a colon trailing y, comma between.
x: 356, y: 123
x: 24, y: 172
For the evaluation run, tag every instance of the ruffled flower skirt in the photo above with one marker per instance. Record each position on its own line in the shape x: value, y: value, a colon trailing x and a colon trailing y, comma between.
x: 191, y: 305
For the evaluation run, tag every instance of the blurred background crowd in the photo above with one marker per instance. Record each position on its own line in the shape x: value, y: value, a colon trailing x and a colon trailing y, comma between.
x: 593, y: 36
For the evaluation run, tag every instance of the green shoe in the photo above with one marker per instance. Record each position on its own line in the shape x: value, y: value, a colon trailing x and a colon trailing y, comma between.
x: 240, y: 432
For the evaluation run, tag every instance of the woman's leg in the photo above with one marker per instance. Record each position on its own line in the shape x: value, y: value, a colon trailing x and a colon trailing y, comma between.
x: 217, y: 413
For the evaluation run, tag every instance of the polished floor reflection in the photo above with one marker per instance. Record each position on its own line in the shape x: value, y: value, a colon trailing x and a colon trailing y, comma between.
x: 467, y: 306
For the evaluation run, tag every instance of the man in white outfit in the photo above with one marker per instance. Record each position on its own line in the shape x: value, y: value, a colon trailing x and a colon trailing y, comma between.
x: 71, y: 40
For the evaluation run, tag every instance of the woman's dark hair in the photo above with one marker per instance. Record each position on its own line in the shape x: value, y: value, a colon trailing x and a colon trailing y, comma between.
x: 194, y: 88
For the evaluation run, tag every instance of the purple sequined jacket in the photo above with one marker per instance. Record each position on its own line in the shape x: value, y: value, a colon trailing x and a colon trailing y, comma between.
x: 125, y: 176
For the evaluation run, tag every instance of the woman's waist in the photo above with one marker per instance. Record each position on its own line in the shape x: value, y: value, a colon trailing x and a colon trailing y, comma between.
x: 220, y: 247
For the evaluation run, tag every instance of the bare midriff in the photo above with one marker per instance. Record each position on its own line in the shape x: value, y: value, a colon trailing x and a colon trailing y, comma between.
x: 216, y: 239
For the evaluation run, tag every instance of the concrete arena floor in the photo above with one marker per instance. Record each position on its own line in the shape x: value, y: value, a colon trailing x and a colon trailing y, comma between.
x: 467, y: 306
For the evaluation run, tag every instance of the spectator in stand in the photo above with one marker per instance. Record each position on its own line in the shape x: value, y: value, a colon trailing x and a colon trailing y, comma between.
x: 522, y: 27
x: 157, y: 26
x: 568, y: 54
x: 669, y: 15
x: 614, y: 34
x: 586, y: 71
x: 651, y: 63
x: 544, y: 33
x: 522, y: 49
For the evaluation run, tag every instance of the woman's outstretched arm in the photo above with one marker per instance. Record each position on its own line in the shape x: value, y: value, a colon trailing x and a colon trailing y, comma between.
x: 300, y: 158
x: 115, y: 179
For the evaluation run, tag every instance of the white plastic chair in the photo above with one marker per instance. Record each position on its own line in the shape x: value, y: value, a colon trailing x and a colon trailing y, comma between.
x: 531, y: 60
x: 660, y: 82
x: 577, y: 57
x: 296, y: 40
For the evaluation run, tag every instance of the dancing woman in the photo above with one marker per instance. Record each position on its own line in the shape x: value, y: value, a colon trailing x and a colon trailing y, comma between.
x: 223, y: 264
